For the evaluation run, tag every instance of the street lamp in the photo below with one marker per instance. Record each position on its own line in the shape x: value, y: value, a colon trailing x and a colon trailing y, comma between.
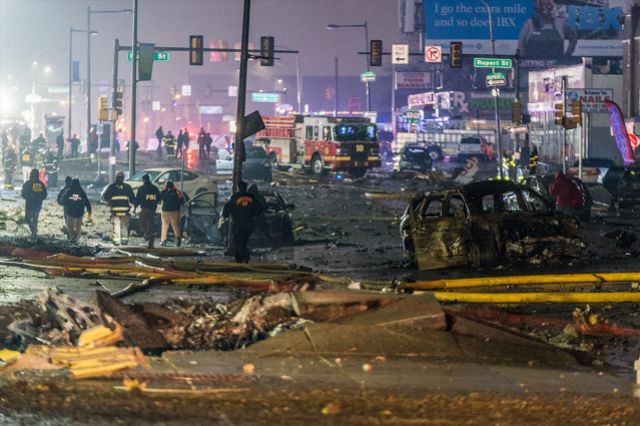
x: 71, y: 31
x: 366, y: 39
x: 33, y: 86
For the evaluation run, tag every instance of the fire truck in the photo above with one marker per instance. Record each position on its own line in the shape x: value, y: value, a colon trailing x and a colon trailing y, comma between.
x: 321, y: 143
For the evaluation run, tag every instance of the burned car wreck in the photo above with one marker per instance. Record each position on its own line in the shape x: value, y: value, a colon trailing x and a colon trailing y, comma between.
x: 483, y: 223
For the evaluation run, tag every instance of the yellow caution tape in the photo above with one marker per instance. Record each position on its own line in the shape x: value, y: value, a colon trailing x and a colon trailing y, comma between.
x: 518, y: 298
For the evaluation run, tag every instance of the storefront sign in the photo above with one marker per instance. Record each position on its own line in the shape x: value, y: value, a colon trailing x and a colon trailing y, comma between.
x: 413, y: 80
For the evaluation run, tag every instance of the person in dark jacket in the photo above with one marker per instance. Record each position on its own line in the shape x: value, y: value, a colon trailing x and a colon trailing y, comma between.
x: 180, y: 142
x: 202, y: 145
x: 186, y: 138
x: 60, y: 197
x: 34, y: 192
x: 75, y: 144
x: 242, y: 207
x: 172, y: 200
x: 208, y: 141
x: 260, y: 221
x: 160, y: 136
x: 119, y: 196
x: 60, y: 144
x: 147, y: 198
x: 75, y: 200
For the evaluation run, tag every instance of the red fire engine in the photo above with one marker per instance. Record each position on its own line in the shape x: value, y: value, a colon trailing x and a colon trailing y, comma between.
x: 321, y: 143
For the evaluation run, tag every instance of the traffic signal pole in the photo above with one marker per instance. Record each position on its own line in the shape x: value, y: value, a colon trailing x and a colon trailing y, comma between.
x: 134, y: 81
x: 114, y: 99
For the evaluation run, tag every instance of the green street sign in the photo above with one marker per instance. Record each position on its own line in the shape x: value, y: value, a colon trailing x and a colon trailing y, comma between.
x: 495, y: 76
x: 492, y: 63
x: 157, y: 56
x: 368, y: 76
x: 413, y: 116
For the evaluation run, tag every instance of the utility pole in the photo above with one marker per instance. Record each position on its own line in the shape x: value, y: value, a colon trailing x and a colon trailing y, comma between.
x: 114, y: 101
x: 134, y: 81
x: 517, y: 99
x: 89, y: 84
x: 564, y: 129
x: 70, y: 76
x: 335, y: 107
x: 239, y: 153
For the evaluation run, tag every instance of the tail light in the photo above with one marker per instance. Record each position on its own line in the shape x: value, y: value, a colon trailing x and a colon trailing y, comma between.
x: 595, y: 172
x: 573, y: 172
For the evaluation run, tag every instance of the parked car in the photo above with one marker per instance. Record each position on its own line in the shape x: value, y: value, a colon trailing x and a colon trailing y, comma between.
x: 194, y: 182
x: 471, y: 147
x: 623, y: 183
x: 257, y: 165
x: 278, y: 217
x: 593, y: 169
x: 412, y: 157
x: 480, y: 223
x: 541, y: 184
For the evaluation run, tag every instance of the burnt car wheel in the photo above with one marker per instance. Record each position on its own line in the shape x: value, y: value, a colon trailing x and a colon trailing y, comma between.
x: 435, y: 153
x: 484, y: 252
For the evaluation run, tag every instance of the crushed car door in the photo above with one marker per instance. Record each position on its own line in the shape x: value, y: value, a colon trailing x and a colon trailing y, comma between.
x: 439, y: 232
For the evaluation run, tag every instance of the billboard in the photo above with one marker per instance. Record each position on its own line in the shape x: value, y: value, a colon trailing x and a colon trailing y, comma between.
x: 546, y: 31
x: 593, y: 100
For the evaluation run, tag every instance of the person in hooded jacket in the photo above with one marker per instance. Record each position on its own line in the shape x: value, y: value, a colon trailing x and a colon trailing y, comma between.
x: 60, y: 197
x: 242, y: 207
x: 147, y: 198
x: 568, y: 197
x: 34, y: 192
x: 75, y: 200
x: 172, y: 200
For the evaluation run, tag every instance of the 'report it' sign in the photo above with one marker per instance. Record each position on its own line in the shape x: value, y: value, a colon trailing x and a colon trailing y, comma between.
x: 592, y: 99
x: 413, y: 80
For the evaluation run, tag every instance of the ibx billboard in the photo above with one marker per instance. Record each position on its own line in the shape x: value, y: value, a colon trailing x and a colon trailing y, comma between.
x: 547, y: 32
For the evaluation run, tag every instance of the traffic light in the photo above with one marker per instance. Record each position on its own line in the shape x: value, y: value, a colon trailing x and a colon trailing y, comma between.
x: 456, y: 54
x: 174, y: 106
x: 207, y: 90
x: 267, y: 46
x: 196, y: 54
x: 103, y: 108
x: 328, y: 93
x: 118, y: 111
x: 172, y: 90
x: 559, y: 113
x: 375, y: 57
x: 576, y: 112
x: 516, y: 112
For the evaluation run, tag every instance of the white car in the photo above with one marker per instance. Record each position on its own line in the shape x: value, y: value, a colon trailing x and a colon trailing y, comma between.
x: 194, y: 182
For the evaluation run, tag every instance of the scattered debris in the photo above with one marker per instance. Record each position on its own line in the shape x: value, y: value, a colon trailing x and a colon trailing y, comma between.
x: 624, y: 239
x: 331, y: 408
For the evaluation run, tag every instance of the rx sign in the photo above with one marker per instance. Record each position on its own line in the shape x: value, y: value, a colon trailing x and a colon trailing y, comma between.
x: 433, y: 54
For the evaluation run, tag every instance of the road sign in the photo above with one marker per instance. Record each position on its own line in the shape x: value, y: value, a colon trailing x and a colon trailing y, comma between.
x: 433, y: 54
x: 157, y: 56
x: 265, y: 97
x: 33, y: 98
x: 186, y: 90
x: 368, y: 76
x: 155, y: 105
x: 399, y: 53
x: 495, y: 76
x: 497, y: 82
x: 413, y: 116
x: 233, y: 91
x: 58, y: 89
x: 492, y: 63
x: 519, y: 129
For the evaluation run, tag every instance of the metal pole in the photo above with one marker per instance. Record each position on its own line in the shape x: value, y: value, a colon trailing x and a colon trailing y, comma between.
x: 522, y: 161
x: 239, y: 154
x: 134, y: 81
x: 184, y: 153
x: 335, y: 102
x: 114, y: 101
x: 70, y: 77
x: 496, y: 97
x: 299, y: 83
x: 366, y: 36
x: 564, y: 130
x: 393, y: 100
x: 89, y: 80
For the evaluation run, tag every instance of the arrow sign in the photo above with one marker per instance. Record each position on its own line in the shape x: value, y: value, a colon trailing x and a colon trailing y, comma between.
x: 400, y: 54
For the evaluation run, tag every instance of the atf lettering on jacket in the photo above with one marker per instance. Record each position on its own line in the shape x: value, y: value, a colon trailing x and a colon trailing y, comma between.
x: 37, y: 187
x: 244, y: 201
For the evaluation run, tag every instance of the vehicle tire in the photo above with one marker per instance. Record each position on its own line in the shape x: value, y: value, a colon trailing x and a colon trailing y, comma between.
x: 275, y: 164
x: 436, y: 153
x: 483, y: 252
x: 357, y: 173
x: 317, y: 168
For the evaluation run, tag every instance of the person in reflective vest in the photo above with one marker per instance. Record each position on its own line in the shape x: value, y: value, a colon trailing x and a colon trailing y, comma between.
x: 170, y: 144
x: 533, y: 161
x: 119, y: 196
x: 10, y: 162
x: 51, y: 169
x: 27, y: 164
